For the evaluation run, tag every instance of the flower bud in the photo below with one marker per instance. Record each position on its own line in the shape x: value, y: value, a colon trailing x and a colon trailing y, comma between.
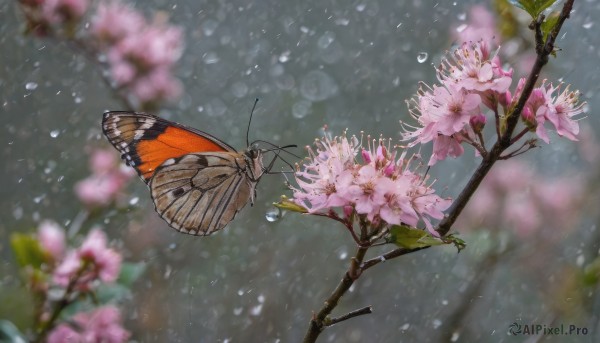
x: 477, y: 122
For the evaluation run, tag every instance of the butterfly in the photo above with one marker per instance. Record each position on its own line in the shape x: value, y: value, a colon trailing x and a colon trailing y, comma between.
x: 198, y: 183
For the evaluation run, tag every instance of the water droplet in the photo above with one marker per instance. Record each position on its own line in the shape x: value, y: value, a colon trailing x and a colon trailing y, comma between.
x: 405, y: 327
x: 210, y: 58
x: 343, y: 255
x: 31, y: 86
x: 461, y: 28
x: 273, y: 214
x: 215, y: 108
x: 342, y: 21
x: 326, y: 39
x: 301, y: 108
x: 209, y: 26
x: 580, y: 260
x: 285, y: 56
x: 239, y: 89
x: 361, y: 7
x: 455, y: 337
x: 237, y: 311
x: 200, y: 109
x: 317, y: 86
x: 304, y: 29
x: 134, y: 201
x: 78, y: 100
x: 445, y: 302
x: 256, y: 310
x: 261, y: 298
x: 240, y: 292
x: 54, y: 133
x: 172, y: 246
x: 462, y: 16
x: 18, y: 213
x: 588, y: 25
x: 437, y: 323
x: 168, y: 271
x: 39, y: 199
x: 422, y: 57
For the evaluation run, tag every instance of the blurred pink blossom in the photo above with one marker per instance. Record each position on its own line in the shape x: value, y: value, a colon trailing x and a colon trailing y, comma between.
x: 62, y: 11
x: 141, y: 55
x: 106, y: 182
x: 52, y: 239
x: 480, y: 25
x: 94, y: 260
x: 383, y: 187
x: 513, y: 197
x: 102, y: 325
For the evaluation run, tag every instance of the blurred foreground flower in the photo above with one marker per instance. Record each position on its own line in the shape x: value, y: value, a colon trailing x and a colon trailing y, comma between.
x: 102, y: 325
x: 381, y: 190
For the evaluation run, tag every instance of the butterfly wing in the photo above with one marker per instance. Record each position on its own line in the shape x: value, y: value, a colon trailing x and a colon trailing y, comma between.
x: 200, y: 193
x: 146, y: 141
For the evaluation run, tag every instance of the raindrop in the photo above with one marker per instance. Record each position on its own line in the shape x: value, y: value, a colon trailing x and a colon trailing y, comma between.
x: 437, y: 323
x: 285, y: 56
x: 445, y: 302
x: 588, y: 25
x: 361, y: 7
x: 31, y: 86
x: 462, y: 16
x: 301, y: 108
x: 237, y: 311
x: 405, y: 327
x: 422, y: 57
x: 317, y: 86
x: 239, y: 89
x: 210, y: 58
x: 134, y: 201
x: 78, y: 100
x: 580, y: 260
x: 461, y: 28
x: 18, y: 213
x: 240, y: 292
x: 209, y: 26
x: 261, y: 298
x: 273, y: 214
x: 455, y: 337
x: 172, y: 246
x: 342, y: 21
x: 326, y: 39
x: 216, y: 107
x: 39, y: 199
x: 343, y: 255
x: 54, y: 133
x: 168, y: 271
x: 200, y: 109
x: 256, y: 310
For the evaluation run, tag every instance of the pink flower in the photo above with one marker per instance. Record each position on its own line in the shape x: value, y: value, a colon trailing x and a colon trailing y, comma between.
x: 60, y: 11
x: 382, y: 188
x: 92, y: 261
x: 114, y: 21
x: 470, y: 67
x: 52, y: 239
x: 444, y: 146
x: 102, y: 325
x: 106, y: 182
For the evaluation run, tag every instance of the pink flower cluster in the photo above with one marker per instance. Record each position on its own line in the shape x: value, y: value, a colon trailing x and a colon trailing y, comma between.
x: 471, y: 78
x: 141, y: 55
x: 382, y: 188
x: 42, y: 14
x: 107, y: 180
x: 548, y: 104
x: 92, y: 261
x: 102, y: 325
x: 512, y: 196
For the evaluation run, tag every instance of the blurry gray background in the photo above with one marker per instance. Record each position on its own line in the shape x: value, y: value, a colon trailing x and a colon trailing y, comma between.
x: 347, y: 64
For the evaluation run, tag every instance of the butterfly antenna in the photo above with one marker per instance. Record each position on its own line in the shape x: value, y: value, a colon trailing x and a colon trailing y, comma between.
x: 250, y: 121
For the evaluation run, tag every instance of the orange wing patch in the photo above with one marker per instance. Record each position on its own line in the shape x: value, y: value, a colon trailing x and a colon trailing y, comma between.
x: 146, y: 141
x: 173, y: 142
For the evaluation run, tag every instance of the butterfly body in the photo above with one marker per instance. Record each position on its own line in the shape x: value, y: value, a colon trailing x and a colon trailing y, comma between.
x: 197, y: 182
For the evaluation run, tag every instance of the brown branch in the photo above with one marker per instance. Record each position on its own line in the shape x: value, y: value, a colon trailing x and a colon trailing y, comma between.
x: 388, y: 256
x: 543, y: 50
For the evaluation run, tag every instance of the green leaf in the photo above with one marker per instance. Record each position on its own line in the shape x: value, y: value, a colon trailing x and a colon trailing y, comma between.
x: 28, y: 250
x: 533, y: 7
x: 10, y: 334
x: 458, y: 243
x: 130, y: 272
x: 411, y: 238
x: 549, y: 23
x: 286, y: 204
